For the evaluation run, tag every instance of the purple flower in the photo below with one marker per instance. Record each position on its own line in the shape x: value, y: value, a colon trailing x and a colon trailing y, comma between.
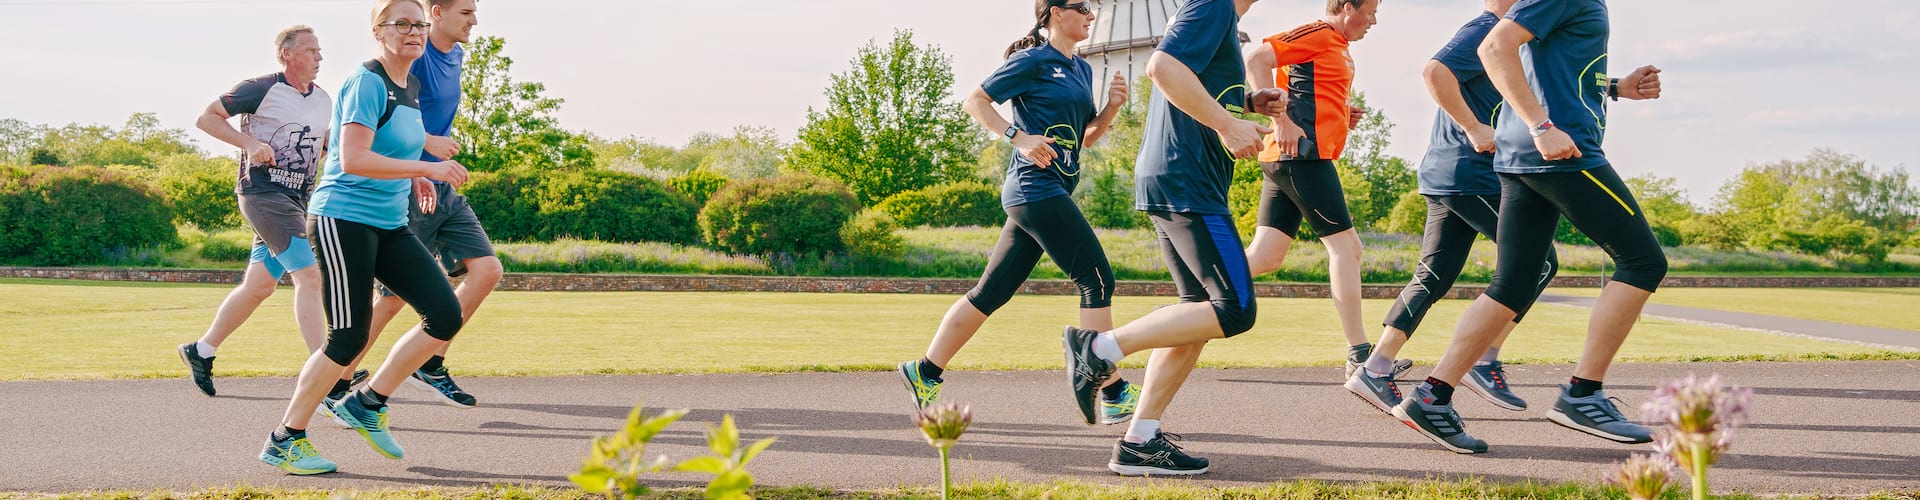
x: 1701, y: 418
x: 1644, y: 477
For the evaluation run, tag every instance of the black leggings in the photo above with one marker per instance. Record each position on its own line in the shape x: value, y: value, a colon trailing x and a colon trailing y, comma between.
x: 351, y: 256
x: 1452, y: 224
x: 1054, y: 227
x: 1209, y: 264
x: 1597, y: 203
x: 1303, y: 189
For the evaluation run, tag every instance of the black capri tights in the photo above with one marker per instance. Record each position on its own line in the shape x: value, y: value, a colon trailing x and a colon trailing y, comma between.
x: 351, y: 256
x: 1054, y: 227
x: 1453, y: 222
x: 1598, y: 203
x: 1209, y: 264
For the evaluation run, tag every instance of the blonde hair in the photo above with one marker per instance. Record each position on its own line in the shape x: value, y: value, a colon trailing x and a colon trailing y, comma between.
x: 287, y: 38
x: 384, y: 7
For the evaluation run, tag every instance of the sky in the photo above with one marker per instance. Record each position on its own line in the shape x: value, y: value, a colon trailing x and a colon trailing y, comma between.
x: 1746, y: 81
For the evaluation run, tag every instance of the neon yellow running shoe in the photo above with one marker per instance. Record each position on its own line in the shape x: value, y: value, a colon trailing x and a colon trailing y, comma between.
x: 1119, y: 410
x: 925, y: 390
x: 296, y: 456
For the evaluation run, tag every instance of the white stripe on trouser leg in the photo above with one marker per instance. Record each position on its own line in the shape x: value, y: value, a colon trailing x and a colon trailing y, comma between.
x: 336, y: 261
x: 346, y: 276
x: 332, y: 271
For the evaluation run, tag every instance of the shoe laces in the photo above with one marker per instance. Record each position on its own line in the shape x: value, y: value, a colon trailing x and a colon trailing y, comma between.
x: 300, y: 449
x: 1612, y: 407
x: 1498, y: 374
x: 1168, y: 438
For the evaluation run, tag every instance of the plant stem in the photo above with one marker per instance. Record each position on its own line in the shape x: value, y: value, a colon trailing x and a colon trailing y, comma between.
x: 946, y: 476
x: 1699, y: 472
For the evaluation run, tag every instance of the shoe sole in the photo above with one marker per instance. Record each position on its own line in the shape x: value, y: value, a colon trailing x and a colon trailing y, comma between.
x: 1147, y: 470
x: 437, y: 395
x: 184, y: 361
x: 290, y: 469
x: 1561, y: 418
x: 1116, y: 419
x: 368, y: 435
x: 1475, y: 388
x: 912, y: 393
x: 1404, y: 419
x: 1089, y: 407
x: 329, y: 415
x: 1367, y: 395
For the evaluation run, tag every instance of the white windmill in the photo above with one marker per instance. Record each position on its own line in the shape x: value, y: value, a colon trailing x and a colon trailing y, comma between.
x: 1124, y: 35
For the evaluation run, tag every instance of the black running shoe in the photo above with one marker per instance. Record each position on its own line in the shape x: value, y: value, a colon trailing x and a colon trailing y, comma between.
x: 201, y: 369
x: 1156, y: 457
x: 1085, y: 371
x: 440, y: 384
x: 1437, y: 422
x: 359, y: 377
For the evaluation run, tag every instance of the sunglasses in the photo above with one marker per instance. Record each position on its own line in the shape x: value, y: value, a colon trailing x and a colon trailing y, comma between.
x: 1080, y: 7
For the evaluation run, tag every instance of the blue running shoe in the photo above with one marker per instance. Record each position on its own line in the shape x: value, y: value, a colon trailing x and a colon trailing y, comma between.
x: 296, y: 456
x: 1377, y: 391
x: 1117, y: 411
x: 441, y: 385
x: 1597, y: 415
x: 925, y: 390
x: 1490, y: 382
x: 371, y: 425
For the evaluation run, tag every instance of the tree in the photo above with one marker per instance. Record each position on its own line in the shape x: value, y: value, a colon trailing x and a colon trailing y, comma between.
x: 889, y: 125
x: 1826, y: 189
x: 1106, y: 186
x: 751, y: 152
x: 1665, y: 206
x: 505, y: 123
x: 1374, y: 181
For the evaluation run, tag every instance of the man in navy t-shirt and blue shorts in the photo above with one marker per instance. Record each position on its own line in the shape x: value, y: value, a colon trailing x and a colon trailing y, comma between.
x: 1548, y: 58
x: 1185, y: 166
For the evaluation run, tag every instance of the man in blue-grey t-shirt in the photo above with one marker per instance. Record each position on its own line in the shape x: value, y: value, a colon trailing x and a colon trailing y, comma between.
x: 1548, y: 58
x: 1182, y: 175
x: 439, y: 216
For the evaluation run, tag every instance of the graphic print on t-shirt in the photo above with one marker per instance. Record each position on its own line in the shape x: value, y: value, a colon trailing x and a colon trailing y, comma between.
x: 292, y: 123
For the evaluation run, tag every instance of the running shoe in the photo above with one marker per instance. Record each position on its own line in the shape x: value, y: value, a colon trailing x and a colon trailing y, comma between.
x: 371, y: 424
x: 1597, y: 415
x: 925, y: 390
x: 1490, y: 382
x: 1117, y: 411
x: 359, y: 377
x: 296, y: 456
x: 1086, y: 372
x: 1377, y: 391
x: 325, y: 410
x: 1400, y: 367
x: 1437, y: 422
x: 441, y: 384
x: 1156, y: 457
x: 201, y: 369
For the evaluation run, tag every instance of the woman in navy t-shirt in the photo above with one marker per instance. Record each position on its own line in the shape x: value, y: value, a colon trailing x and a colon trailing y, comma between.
x: 1051, y: 93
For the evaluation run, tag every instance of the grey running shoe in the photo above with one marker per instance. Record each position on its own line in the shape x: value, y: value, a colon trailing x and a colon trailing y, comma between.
x: 1437, y: 422
x: 1156, y: 457
x: 199, y: 368
x: 1085, y: 371
x: 1377, y: 391
x: 1490, y: 382
x: 1598, y: 416
x: 1400, y: 367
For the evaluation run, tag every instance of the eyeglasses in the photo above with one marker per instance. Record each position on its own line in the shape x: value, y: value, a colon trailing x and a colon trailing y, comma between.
x: 1080, y: 7
x: 406, y: 28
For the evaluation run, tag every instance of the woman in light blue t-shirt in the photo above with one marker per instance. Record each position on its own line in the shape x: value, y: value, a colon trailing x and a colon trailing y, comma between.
x: 360, y: 233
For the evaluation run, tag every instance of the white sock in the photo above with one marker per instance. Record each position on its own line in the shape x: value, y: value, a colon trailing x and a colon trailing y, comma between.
x: 1378, y: 366
x: 1108, y: 348
x: 205, y: 350
x: 1141, y: 430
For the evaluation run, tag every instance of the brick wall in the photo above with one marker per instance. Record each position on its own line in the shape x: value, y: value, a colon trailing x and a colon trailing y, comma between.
x: 674, y: 283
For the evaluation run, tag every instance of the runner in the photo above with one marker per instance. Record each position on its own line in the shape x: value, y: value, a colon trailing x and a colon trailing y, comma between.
x: 1549, y: 61
x: 1462, y: 192
x: 440, y: 217
x: 1185, y: 166
x: 1301, y: 183
x: 1053, y: 116
x: 359, y: 220
x: 283, y: 120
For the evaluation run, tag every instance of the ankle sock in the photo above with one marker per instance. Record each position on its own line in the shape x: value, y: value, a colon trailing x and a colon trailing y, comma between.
x: 930, y: 370
x: 1358, y: 354
x: 204, y: 349
x: 1107, y: 347
x: 1442, y: 392
x: 285, y: 434
x: 1115, y: 390
x: 1142, y: 430
x: 433, y: 364
x: 371, y: 400
x: 1580, y: 387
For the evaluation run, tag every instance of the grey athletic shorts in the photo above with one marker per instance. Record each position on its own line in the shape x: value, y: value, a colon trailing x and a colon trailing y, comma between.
x: 452, y: 232
x: 279, y: 224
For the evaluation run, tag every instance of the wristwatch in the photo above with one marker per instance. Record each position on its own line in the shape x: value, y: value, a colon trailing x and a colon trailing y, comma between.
x: 1613, y: 89
x: 1542, y: 128
x: 1012, y: 130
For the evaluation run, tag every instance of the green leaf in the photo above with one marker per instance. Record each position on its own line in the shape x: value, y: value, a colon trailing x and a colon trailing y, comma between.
x: 754, y: 451
x: 725, y: 438
x: 709, y: 465
x: 594, y: 479
x: 733, y: 482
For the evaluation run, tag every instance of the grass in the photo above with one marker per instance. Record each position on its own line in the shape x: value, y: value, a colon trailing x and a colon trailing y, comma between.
x: 1467, y: 489
x: 1877, y: 307
x: 962, y: 253
x: 86, y: 330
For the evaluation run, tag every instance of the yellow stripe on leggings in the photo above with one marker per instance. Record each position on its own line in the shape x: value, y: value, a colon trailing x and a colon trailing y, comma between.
x: 1603, y: 187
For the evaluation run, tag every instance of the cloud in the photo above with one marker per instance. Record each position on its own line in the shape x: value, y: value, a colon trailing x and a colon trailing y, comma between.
x: 1867, y: 51
x: 1850, y: 117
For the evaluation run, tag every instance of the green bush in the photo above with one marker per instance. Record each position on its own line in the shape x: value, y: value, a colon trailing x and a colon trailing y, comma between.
x: 1409, y: 214
x: 503, y: 202
x: 202, y: 198
x: 699, y: 184
x: 871, y: 235
x: 952, y: 204
x: 795, y: 214
x: 1243, y: 198
x: 227, y: 246
x: 61, y: 216
x: 1667, y: 235
x: 1106, y: 197
x: 1567, y: 234
x: 613, y: 206
x: 1716, y: 230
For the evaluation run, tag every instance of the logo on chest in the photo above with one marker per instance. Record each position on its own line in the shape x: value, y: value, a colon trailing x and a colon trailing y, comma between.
x: 1058, y: 73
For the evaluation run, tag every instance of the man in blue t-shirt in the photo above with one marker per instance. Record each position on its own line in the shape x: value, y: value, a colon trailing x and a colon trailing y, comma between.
x: 1548, y: 58
x: 439, y: 216
x: 1184, y: 169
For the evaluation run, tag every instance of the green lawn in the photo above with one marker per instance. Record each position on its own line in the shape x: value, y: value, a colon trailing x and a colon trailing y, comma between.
x: 1897, y: 308
x: 1057, y: 490
x: 82, y: 330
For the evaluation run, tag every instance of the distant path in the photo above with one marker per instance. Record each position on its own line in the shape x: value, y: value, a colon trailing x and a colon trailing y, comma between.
x: 1839, y: 428
x: 1879, y: 337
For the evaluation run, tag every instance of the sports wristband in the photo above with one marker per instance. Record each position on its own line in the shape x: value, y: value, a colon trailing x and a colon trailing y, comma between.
x: 1613, y: 89
x: 1542, y: 128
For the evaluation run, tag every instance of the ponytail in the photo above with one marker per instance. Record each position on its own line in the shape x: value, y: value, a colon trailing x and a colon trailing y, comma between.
x: 1043, y: 12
